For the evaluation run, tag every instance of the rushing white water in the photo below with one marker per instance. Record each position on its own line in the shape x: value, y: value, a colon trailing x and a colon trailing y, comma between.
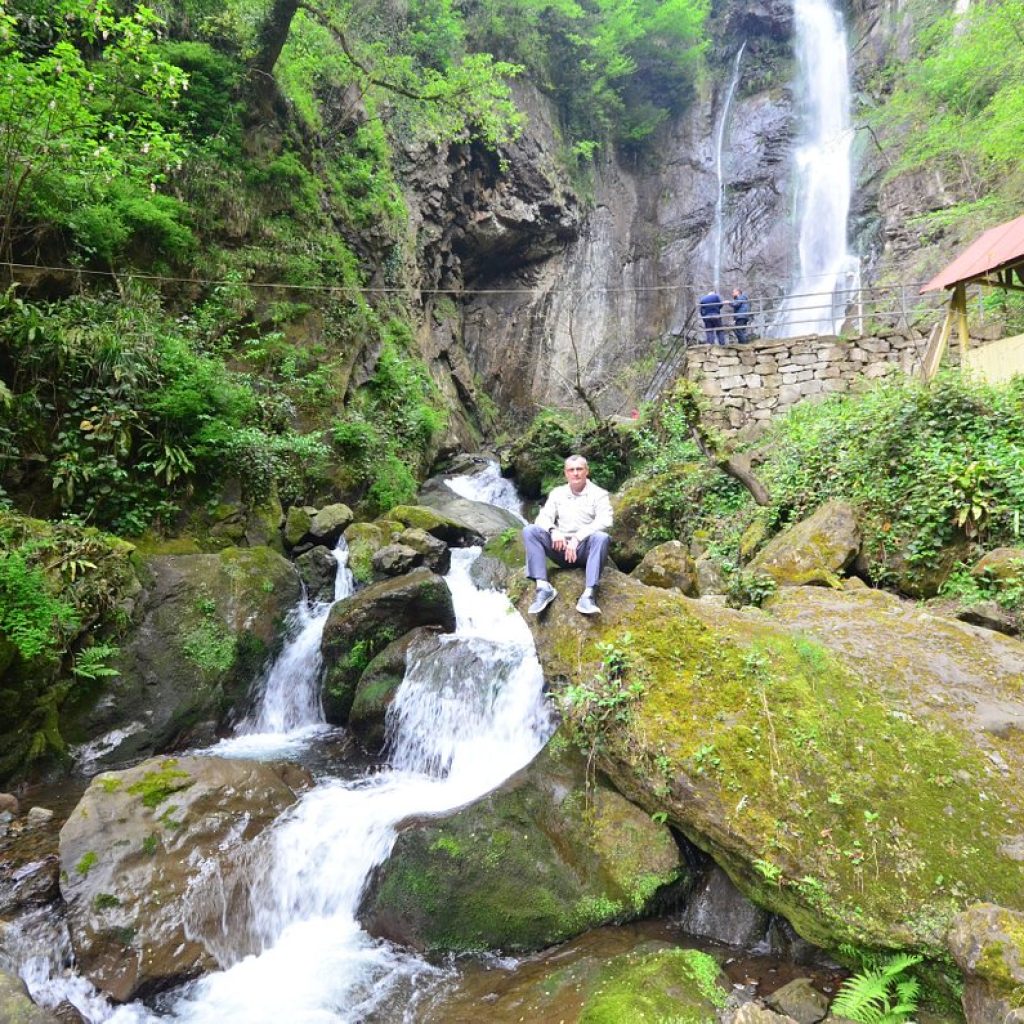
x: 287, y: 712
x: 716, y: 230
x: 829, y: 277
x: 489, y: 486
x: 469, y: 713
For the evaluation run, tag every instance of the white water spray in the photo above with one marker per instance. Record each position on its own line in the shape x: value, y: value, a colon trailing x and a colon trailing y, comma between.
x: 716, y: 231
x: 829, y: 274
x: 489, y: 486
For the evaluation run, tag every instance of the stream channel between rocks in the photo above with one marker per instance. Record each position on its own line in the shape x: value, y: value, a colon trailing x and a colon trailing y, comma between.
x: 470, y: 711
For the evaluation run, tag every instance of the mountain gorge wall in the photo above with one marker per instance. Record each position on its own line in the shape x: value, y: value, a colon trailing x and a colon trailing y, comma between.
x: 556, y: 290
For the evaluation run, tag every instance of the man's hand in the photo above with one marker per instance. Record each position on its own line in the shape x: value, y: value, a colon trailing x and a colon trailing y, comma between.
x: 557, y: 541
x: 570, y: 550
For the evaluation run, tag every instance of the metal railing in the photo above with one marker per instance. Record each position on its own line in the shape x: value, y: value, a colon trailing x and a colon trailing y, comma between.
x: 859, y: 311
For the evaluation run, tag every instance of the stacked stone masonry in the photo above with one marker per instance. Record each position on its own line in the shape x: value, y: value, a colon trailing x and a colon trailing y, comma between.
x: 749, y: 384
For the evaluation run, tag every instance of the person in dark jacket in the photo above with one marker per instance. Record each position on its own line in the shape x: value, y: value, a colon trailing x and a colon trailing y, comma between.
x: 740, y: 307
x: 711, y: 315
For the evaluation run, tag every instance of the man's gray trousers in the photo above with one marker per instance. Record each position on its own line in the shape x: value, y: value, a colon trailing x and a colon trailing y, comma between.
x: 592, y: 552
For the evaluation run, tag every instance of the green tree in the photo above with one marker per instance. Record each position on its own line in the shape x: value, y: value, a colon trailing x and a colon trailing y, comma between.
x: 77, y: 131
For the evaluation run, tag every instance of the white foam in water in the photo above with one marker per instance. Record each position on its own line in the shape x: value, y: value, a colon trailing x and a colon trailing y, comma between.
x: 469, y: 712
x: 490, y: 487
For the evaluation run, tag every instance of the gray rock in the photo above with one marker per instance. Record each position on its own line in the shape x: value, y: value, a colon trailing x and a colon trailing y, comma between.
x: 571, y: 857
x: 453, y: 530
x: 718, y: 911
x: 317, y: 569
x: 8, y: 804
x: 396, y: 559
x: 755, y: 1013
x: 669, y: 565
x: 329, y: 524
x: 38, y: 816
x: 827, y: 541
x: 985, y: 941
x: 359, y: 628
x: 1000, y: 564
x: 296, y: 526
x: 710, y: 580
x: 155, y: 859
x: 800, y: 1000
x: 205, y: 625
x: 436, y: 554
x: 486, y: 520
x: 990, y: 615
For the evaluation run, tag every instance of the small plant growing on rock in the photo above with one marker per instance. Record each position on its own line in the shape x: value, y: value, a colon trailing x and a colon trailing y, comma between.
x: 882, y: 993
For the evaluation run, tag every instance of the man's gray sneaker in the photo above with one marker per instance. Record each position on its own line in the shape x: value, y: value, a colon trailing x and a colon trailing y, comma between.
x: 587, y: 605
x: 544, y: 597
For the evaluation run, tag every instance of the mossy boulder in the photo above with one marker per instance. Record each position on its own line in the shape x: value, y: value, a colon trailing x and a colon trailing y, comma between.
x: 361, y: 627
x: 329, y: 523
x: 537, y: 458
x: 296, y: 525
x: 155, y: 859
x: 540, y: 859
x: 670, y: 566
x: 318, y: 570
x: 852, y: 762
x: 364, y: 541
x: 829, y: 540
x: 395, y: 559
x: 486, y: 519
x: 452, y: 531
x: 1000, y: 564
x: 436, y: 555
x: 15, y: 1005
x: 205, y: 625
x: 647, y: 513
x: 987, y: 943
x: 378, y: 685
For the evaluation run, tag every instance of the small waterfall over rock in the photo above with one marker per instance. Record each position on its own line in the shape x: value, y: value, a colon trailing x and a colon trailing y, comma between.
x: 470, y: 712
x: 716, y: 230
x: 829, y: 275
x: 488, y: 485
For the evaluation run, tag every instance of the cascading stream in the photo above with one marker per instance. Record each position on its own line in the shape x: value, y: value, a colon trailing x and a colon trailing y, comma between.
x: 469, y: 713
x: 829, y: 276
x: 716, y: 231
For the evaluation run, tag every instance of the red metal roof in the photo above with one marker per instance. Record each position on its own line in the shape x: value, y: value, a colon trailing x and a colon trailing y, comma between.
x: 990, y: 251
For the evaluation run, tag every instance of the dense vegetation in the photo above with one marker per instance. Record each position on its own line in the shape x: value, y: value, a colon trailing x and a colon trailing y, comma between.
x: 956, y: 107
x: 934, y: 471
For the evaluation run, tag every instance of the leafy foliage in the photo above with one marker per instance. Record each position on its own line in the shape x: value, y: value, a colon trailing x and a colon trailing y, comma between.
x: 880, y: 994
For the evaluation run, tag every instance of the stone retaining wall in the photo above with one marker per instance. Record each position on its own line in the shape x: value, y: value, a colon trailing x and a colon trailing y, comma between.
x: 748, y: 384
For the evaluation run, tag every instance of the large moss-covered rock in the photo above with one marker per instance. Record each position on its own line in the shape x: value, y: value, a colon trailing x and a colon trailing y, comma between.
x: 364, y: 541
x: 987, y: 943
x: 362, y: 626
x: 452, y: 531
x: 486, y: 519
x: 609, y: 976
x: 850, y: 760
x: 318, y: 570
x: 540, y: 859
x: 205, y: 625
x: 155, y: 860
x: 329, y: 523
x: 437, y: 556
x: 828, y: 540
x: 1000, y: 564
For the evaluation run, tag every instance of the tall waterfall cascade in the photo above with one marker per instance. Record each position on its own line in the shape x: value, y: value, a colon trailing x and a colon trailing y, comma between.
x: 720, y: 133
x: 829, y: 274
x: 469, y: 712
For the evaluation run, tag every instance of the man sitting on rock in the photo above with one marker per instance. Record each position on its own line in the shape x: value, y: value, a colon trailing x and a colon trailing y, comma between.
x: 570, y: 530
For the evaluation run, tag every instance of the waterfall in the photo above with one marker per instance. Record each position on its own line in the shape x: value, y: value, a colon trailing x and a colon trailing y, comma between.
x: 469, y: 712
x: 287, y: 713
x: 716, y: 232
x: 829, y: 276
x: 488, y: 485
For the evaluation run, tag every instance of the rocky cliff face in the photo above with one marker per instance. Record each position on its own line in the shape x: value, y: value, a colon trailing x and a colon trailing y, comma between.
x: 570, y: 294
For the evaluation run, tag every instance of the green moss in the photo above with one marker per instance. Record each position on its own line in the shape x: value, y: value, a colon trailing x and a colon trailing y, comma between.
x: 150, y: 844
x: 869, y: 828
x: 677, y: 985
x: 109, y: 783
x: 156, y: 786
x: 86, y: 863
x: 105, y: 901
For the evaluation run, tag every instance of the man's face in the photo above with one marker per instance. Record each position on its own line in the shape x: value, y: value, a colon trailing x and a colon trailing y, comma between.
x: 576, y: 473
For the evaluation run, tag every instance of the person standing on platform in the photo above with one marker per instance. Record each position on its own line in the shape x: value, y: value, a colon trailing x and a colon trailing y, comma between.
x: 740, y: 307
x: 711, y: 315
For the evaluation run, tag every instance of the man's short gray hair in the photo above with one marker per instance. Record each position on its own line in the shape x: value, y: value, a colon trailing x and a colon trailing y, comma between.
x: 577, y: 458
